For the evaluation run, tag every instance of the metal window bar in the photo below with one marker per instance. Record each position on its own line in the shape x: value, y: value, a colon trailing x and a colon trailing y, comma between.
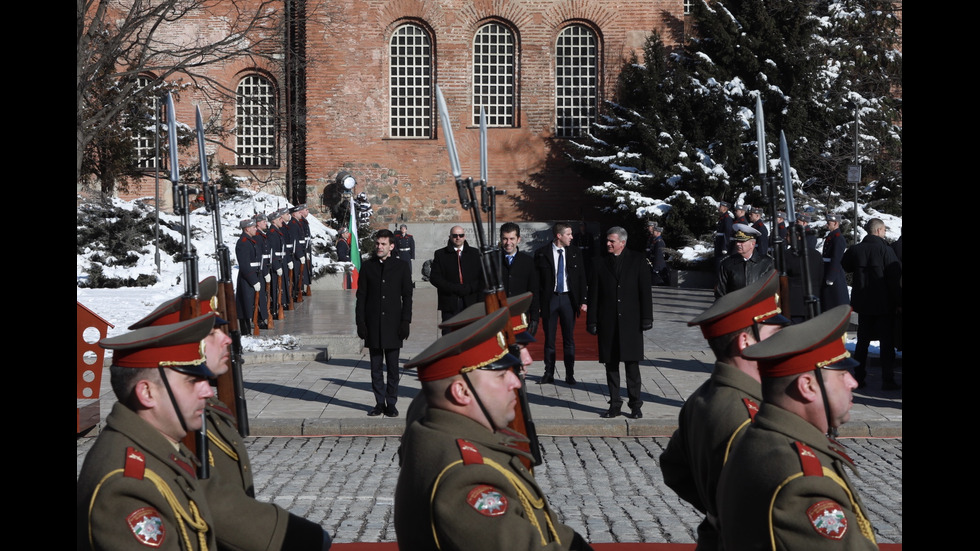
x: 576, y: 81
x: 493, y: 75
x: 410, y: 86
x: 255, y: 122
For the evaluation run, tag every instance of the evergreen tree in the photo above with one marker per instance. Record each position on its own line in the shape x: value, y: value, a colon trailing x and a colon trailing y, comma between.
x: 683, y: 127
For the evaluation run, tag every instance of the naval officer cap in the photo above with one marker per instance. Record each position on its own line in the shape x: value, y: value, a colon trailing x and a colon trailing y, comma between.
x: 817, y: 343
x: 517, y: 305
x: 177, y: 346
x: 169, y: 312
x: 478, y: 345
x: 745, y: 232
x: 754, y: 303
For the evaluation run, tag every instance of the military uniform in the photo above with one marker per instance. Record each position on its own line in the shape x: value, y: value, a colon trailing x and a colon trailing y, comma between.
x: 249, y: 258
x: 833, y: 291
x: 240, y: 521
x: 405, y: 248
x: 139, y: 490
x: 464, y: 487
x: 714, y: 417
x: 279, y: 286
x: 786, y: 486
x: 264, y: 247
x: 723, y: 234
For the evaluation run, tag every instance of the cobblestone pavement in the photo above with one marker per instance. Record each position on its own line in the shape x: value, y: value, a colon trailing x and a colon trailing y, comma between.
x: 609, y: 489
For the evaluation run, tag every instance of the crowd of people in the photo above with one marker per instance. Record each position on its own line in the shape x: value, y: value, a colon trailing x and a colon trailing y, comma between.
x: 755, y: 448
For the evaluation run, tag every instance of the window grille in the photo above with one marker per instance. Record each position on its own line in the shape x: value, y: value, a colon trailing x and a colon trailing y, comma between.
x: 493, y: 75
x: 144, y: 128
x: 576, y: 74
x: 410, y: 92
x: 255, y: 140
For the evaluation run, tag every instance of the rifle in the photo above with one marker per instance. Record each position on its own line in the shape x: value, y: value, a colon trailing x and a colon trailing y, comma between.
x: 190, y: 306
x: 231, y: 387
x: 798, y: 242
x: 255, y: 315
x: 280, y: 312
x: 495, y: 296
x: 770, y: 187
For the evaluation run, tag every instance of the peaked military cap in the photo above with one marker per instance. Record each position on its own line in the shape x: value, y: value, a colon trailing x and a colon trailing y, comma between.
x: 260, y: 217
x: 478, y: 345
x: 517, y: 305
x: 169, y: 312
x: 813, y: 344
x: 723, y: 204
x: 175, y: 345
x: 754, y: 303
x: 247, y: 223
x: 833, y: 218
x: 745, y: 232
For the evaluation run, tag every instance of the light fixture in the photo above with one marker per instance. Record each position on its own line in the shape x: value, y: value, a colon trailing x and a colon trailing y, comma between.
x: 346, y: 180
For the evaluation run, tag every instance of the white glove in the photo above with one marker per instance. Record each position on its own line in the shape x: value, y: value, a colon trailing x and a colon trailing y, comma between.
x: 278, y: 271
x: 268, y: 278
x: 289, y: 264
x: 257, y: 286
x: 302, y: 260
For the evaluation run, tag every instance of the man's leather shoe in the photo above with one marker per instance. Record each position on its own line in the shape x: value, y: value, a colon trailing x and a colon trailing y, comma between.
x: 546, y: 379
x: 378, y: 410
x: 613, y: 412
x: 390, y: 411
x: 570, y: 379
x: 635, y: 414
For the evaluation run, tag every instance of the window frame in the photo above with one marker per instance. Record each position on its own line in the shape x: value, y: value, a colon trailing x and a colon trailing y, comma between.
x: 268, y: 129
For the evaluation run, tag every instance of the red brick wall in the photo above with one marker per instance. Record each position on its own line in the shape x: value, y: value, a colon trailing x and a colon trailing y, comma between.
x: 347, y: 102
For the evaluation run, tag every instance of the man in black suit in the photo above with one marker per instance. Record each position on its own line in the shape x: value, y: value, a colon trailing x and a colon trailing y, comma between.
x: 625, y: 311
x: 563, y: 287
x: 519, y: 275
x: 383, y: 313
x: 456, y: 274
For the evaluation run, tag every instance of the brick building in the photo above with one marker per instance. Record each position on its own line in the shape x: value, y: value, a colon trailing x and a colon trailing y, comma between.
x: 353, y: 89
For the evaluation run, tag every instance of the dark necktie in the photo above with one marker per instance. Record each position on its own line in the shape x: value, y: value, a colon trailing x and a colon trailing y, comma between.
x: 560, y: 273
x: 459, y: 264
x: 510, y: 259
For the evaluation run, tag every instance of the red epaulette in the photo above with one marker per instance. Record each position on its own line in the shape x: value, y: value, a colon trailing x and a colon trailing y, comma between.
x: 808, y: 460
x: 751, y: 407
x: 838, y: 449
x: 135, y: 463
x: 183, y: 464
x: 471, y: 456
x: 217, y: 406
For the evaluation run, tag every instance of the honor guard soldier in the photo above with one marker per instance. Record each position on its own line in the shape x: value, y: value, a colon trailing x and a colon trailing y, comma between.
x: 277, y: 246
x: 786, y: 485
x: 405, y: 246
x: 833, y: 292
x: 723, y: 231
x: 265, y: 271
x: 240, y: 521
x: 717, y: 413
x: 462, y: 483
x: 762, y: 240
x: 249, y: 256
x: 740, y: 214
x: 138, y: 485
x: 297, y: 234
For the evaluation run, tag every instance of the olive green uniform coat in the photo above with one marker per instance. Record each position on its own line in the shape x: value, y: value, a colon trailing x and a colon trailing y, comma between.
x: 462, y: 487
x: 710, y: 421
x: 139, y: 490
x: 785, y: 486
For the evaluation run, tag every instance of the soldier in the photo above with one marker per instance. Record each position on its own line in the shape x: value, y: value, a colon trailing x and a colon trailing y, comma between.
x: 240, y: 521
x: 405, y: 246
x: 740, y: 214
x: 715, y: 415
x: 277, y: 245
x: 762, y: 240
x: 262, y: 240
x: 297, y: 234
x: 307, y: 248
x: 785, y: 484
x: 833, y: 292
x: 723, y: 232
x: 462, y: 484
x: 249, y: 276
x: 659, y: 272
x: 138, y: 484
x: 745, y: 265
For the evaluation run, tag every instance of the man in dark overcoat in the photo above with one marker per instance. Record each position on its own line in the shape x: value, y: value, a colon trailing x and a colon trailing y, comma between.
x: 383, y: 313
x: 833, y: 291
x: 519, y: 275
x: 622, y: 309
x: 456, y: 274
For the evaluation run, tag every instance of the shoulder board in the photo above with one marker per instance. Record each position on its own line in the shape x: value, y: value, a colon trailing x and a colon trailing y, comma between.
x: 135, y: 463
x: 221, y: 407
x: 183, y: 464
x: 808, y: 460
x: 838, y: 449
x: 751, y: 407
x: 469, y: 452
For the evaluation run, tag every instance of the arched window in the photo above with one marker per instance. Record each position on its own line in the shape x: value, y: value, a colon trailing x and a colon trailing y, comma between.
x: 410, y: 86
x: 493, y: 74
x: 144, y: 127
x: 576, y: 80
x: 255, y: 108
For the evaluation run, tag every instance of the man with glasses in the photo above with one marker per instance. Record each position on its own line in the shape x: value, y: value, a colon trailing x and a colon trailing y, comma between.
x: 456, y: 274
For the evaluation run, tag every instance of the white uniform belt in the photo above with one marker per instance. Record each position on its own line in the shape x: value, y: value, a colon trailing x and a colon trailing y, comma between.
x: 254, y: 264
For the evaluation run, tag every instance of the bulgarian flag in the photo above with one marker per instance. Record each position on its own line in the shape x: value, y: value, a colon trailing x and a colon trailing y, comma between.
x: 355, y: 251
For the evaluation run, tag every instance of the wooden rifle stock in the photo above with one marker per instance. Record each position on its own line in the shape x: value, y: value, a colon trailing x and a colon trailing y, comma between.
x: 299, y: 283
x: 268, y: 305
x: 255, y: 315
x: 279, y: 279
x: 231, y: 386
